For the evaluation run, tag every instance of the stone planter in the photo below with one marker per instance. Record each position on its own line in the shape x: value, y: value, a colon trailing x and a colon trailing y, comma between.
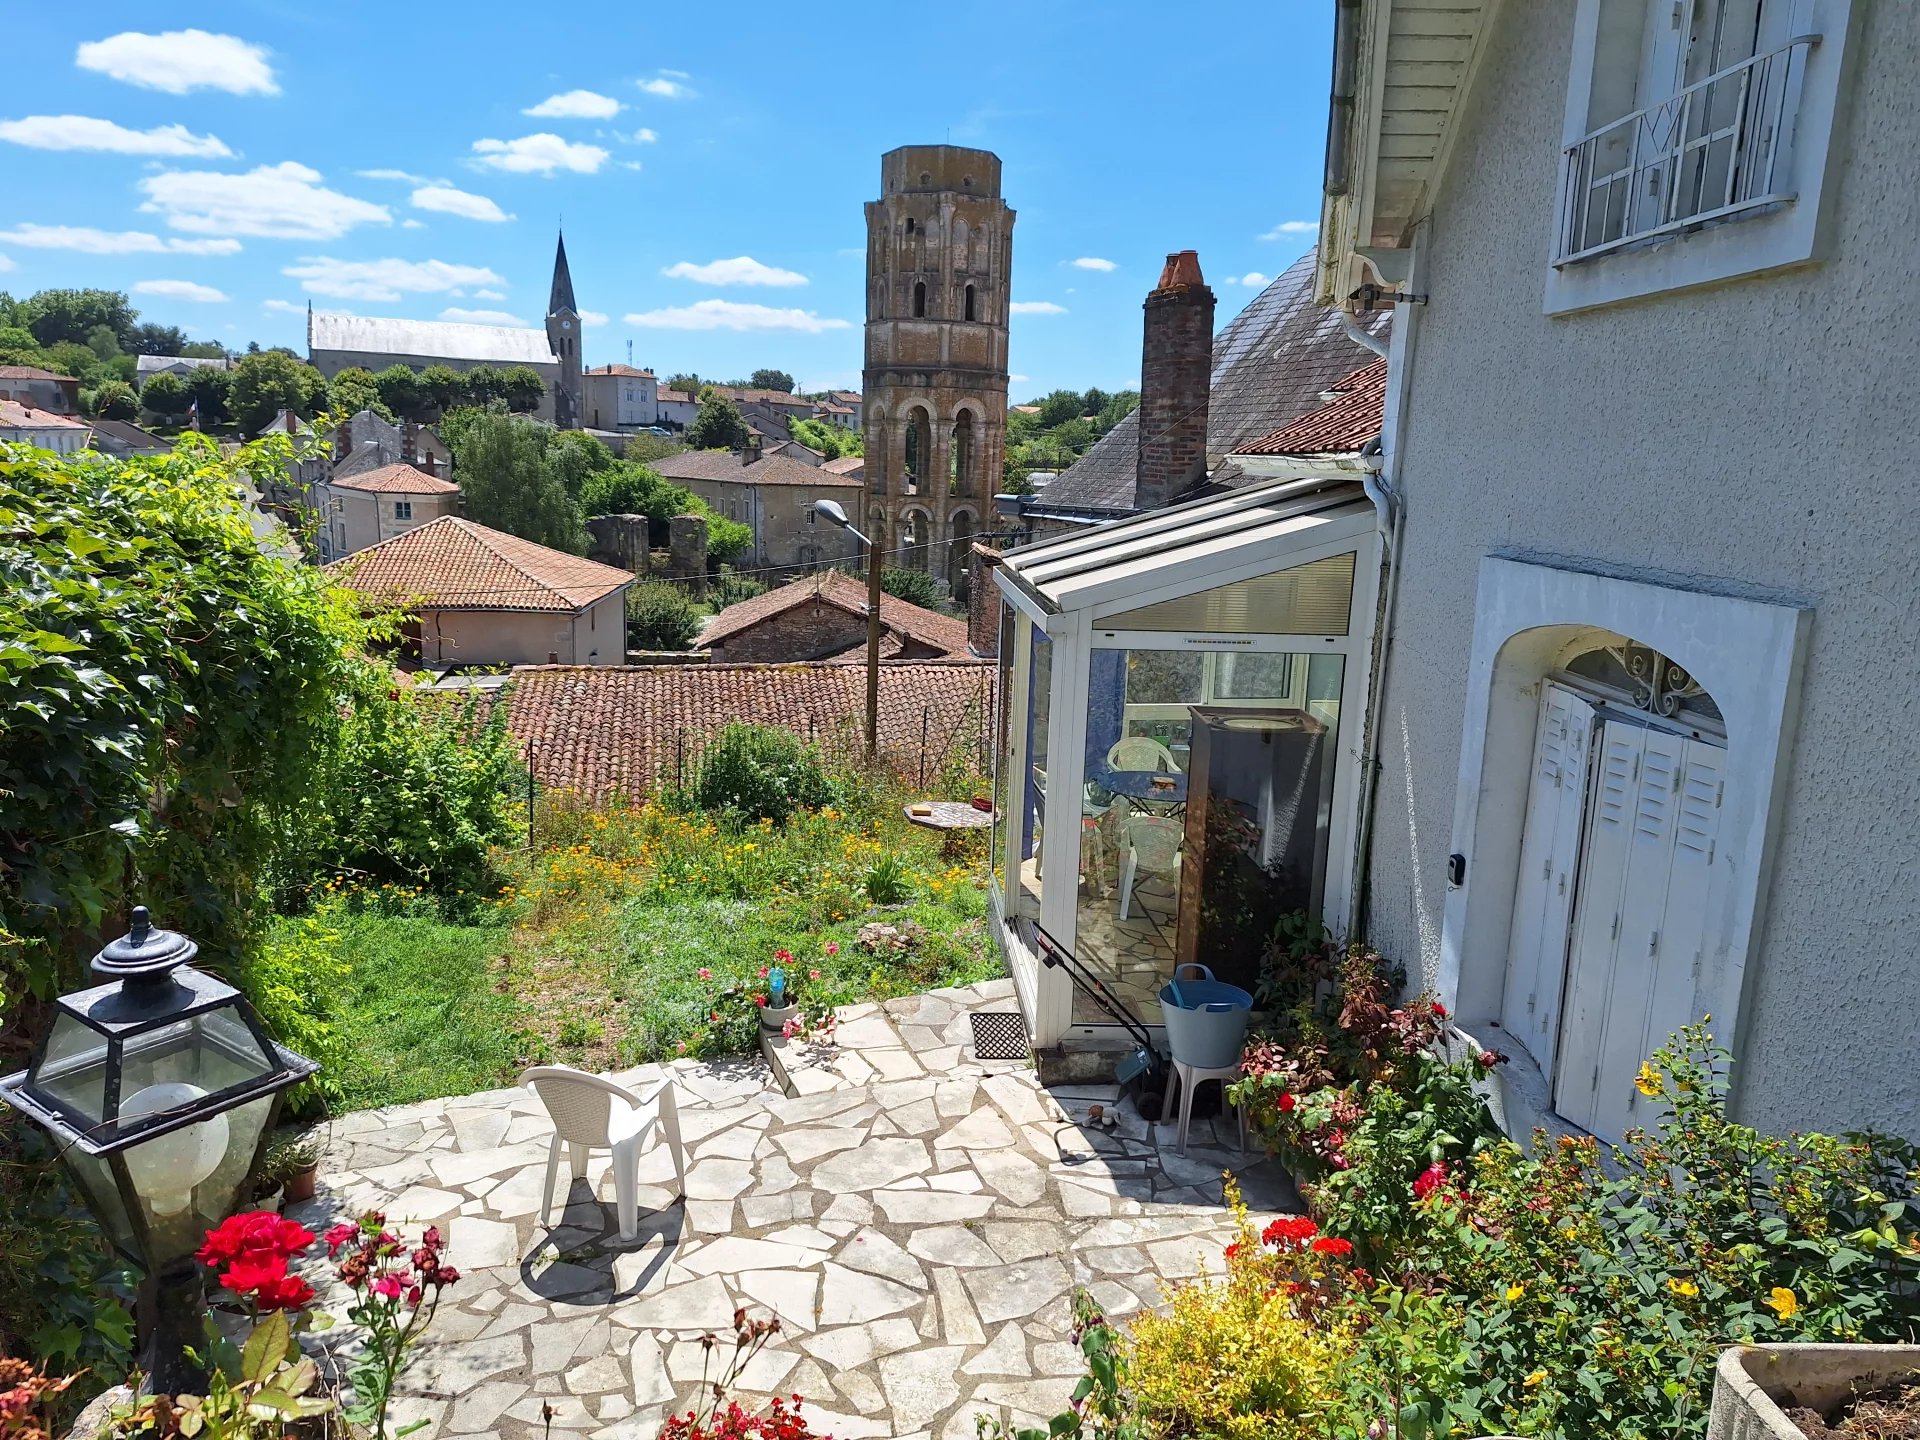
x: 1751, y: 1380
x: 773, y: 1018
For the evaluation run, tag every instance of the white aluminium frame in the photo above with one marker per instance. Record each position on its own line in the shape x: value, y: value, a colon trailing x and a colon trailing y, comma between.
x: 1046, y: 995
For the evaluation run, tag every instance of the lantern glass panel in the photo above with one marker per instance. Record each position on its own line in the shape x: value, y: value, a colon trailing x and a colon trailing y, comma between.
x: 188, y: 1180
x: 72, y: 1070
x: 96, y: 1177
x: 210, y: 1052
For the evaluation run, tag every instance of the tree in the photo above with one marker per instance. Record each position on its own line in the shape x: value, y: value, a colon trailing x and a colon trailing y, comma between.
x: 18, y: 347
x: 355, y: 389
x: 264, y: 384
x: 770, y: 380
x: 833, y: 441
x: 506, y: 483
x: 445, y: 387
x: 660, y: 616
x: 718, y: 426
x: 70, y: 357
x: 686, y: 380
x: 727, y: 540
x: 575, y: 457
x: 522, y: 389
x: 917, y: 587
x: 166, y: 396
x: 1061, y: 406
x: 484, y: 385
x: 115, y: 400
x: 56, y: 315
x: 208, y: 387
x: 198, y: 350
x: 103, y: 342
x: 628, y: 488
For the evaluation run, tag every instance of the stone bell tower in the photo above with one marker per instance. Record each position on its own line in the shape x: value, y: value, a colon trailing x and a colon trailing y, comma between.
x: 939, y: 261
x: 563, y: 338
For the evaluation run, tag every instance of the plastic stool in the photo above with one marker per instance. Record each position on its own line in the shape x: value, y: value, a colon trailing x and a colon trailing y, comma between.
x: 1189, y: 1079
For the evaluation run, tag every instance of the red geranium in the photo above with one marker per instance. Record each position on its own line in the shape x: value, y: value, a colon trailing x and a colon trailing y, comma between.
x: 1333, y: 1245
x: 1430, y: 1180
x: 1290, y: 1231
x: 1286, y: 1102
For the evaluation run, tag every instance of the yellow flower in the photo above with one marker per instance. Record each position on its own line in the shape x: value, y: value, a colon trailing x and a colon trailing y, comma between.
x: 1685, y: 1289
x: 1783, y: 1302
x: 1648, y: 1081
x: 1538, y: 1377
x: 1514, y: 1292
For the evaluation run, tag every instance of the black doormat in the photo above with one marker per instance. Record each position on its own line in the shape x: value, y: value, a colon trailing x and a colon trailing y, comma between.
x: 999, y: 1035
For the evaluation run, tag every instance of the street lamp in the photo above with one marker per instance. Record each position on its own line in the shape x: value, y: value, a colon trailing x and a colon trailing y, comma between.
x: 160, y: 1089
x: 836, y: 516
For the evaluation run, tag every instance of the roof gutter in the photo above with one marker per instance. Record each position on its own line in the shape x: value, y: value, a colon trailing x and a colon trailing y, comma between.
x: 1346, y: 69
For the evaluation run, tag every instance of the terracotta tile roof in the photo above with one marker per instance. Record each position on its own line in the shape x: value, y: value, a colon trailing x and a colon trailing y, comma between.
x: 747, y: 396
x: 833, y: 407
x: 673, y: 397
x: 844, y: 592
x: 15, y: 416
x: 454, y: 564
x: 768, y: 470
x: 33, y: 372
x: 854, y: 465
x: 603, y: 730
x: 1350, y: 418
x: 845, y: 397
x: 397, y: 480
x: 620, y: 370
x: 1271, y: 364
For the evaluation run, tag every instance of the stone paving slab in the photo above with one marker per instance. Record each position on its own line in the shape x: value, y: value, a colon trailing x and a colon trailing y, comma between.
x: 919, y: 1235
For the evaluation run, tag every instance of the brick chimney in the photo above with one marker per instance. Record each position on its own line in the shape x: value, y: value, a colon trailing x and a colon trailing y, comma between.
x: 750, y: 452
x: 1176, y: 365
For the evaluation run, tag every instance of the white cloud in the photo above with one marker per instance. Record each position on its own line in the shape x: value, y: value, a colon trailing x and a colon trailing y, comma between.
x: 732, y: 315
x: 405, y: 175
x: 741, y: 270
x: 576, y: 105
x: 540, y: 154
x: 181, y: 60
x: 1018, y: 379
x: 385, y: 279
x: 1292, y: 227
x: 284, y: 200
x: 1255, y: 279
x: 1093, y: 262
x: 84, y: 132
x: 489, y: 294
x: 180, y: 290
x: 287, y: 307
x: 668, y: 85
x: 592, y: 317
x: 412, y: 224
x: 642, y: 136
x: 480, y: 317
x: 1035, y: 307
x: 465, y: 204
x: 84, y: 240
x: 5, y: 264
x: 631, y: 165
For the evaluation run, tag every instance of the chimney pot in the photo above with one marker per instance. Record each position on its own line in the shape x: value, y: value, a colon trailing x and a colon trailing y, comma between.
x: 1181, y: 271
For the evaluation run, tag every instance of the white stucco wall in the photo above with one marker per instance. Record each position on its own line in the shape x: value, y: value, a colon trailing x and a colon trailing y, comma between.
x: 1747, y: 441
x: 595, y: 636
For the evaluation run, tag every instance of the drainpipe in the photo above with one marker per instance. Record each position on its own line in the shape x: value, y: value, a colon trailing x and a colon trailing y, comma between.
x: 1359, y: 334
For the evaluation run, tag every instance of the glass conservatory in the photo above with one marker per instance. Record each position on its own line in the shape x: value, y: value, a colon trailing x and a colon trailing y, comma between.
x: 1176, y: 754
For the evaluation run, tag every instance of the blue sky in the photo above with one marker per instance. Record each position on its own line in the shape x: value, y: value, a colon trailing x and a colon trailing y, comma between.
x: 383, y: 159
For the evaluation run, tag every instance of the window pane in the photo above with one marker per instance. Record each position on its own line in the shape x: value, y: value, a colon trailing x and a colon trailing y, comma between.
x: 1311, y: 599
x: 1034, y: 817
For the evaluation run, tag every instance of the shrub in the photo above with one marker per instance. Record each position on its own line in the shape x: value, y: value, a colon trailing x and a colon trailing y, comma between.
x: 165, y: 395
x: 661, y: 617
x: 916, y: 587
x: 888, y: 881
x: 759, y: 772
x: 626, y: 488
x: 114, y: 400
x: 732, y: 587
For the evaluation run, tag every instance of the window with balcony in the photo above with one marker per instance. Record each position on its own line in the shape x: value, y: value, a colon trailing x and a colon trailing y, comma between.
x: 1696, y: 143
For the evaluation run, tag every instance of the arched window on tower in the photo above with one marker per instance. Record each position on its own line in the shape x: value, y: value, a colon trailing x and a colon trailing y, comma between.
x: 960, y: 455
x: 919, y: 452
x: 915, y: 535
x: 910, y: 225
x: 959, y: 552
x: 970, y: 314
x: 919, y: 299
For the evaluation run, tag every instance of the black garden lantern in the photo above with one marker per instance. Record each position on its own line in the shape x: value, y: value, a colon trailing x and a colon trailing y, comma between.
x: 160, y: 1088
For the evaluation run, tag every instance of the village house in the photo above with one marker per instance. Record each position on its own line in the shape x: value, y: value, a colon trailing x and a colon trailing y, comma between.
x: 775, y: 495
x: 619, y: 397
x: 824, y: 617
x: 39, y: 389
x: 477, y: 596
x: 145, y: 367
x: 676, y: 409
x: 855, y: 404
x: 358, y: 508
x: 50, y: 430
x: 121, y: 438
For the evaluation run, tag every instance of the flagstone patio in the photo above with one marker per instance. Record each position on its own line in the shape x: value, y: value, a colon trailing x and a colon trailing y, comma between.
x: 918, y: 1220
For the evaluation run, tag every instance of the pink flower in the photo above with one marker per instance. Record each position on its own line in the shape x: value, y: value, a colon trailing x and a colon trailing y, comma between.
x: 785, y: 957
x: 765, y: 971
x: 832, y: 947
x: 682, y: 1047
x: 1430, y: 1180
x: 705, y: 974
x: 787, y: 1028
x: 387, y: 1286
x: 813, y: 974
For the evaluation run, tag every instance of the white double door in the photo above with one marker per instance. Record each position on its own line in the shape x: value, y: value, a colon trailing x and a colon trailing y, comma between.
x: 1619, y: 867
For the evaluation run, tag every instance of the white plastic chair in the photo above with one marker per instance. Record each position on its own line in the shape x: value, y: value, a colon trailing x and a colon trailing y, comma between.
x: 1153, y: 845
x: 1141, y: 752
x: 591, y: 1113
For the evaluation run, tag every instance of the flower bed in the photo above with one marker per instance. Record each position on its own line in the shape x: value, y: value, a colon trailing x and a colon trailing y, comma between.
x: 1449, y: 1282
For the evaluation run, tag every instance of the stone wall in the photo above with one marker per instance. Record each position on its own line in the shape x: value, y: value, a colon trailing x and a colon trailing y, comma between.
x: 618, y: 540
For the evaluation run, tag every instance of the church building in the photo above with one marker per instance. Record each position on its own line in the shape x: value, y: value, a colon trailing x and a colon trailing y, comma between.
x: 337, y: 342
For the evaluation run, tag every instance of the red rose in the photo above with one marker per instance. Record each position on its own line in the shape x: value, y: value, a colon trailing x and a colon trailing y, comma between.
x: 1430, y: 1180
x: 1287, y: 1102
x: 1439, y: 1010
x: 289, y: 1292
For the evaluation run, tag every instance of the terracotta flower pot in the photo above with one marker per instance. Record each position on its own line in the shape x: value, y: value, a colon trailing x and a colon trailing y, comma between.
x: 1750, y: 1383
x: 300, y: 1185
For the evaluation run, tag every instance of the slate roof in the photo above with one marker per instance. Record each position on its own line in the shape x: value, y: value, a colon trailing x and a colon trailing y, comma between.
x: 454, y: 564
x: 560, y: 297
x: 396, y: 480
x: 602, y: 730
x: 1355, y: 409
x: 768, y: 470
x: 843, y: 592
x: 153, y: 364
x: 741, y: 395
x: 131, y: 436
x: 428, y: 339
x: 1270, y: 365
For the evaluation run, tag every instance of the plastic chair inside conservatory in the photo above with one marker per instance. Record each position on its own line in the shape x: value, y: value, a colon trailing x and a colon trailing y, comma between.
x: 1153, y: 847
x: 591, y: 1113
x: 1140, y: 752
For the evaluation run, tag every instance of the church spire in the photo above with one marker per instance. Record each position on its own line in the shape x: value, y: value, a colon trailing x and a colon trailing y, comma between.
x: 561, y: 298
